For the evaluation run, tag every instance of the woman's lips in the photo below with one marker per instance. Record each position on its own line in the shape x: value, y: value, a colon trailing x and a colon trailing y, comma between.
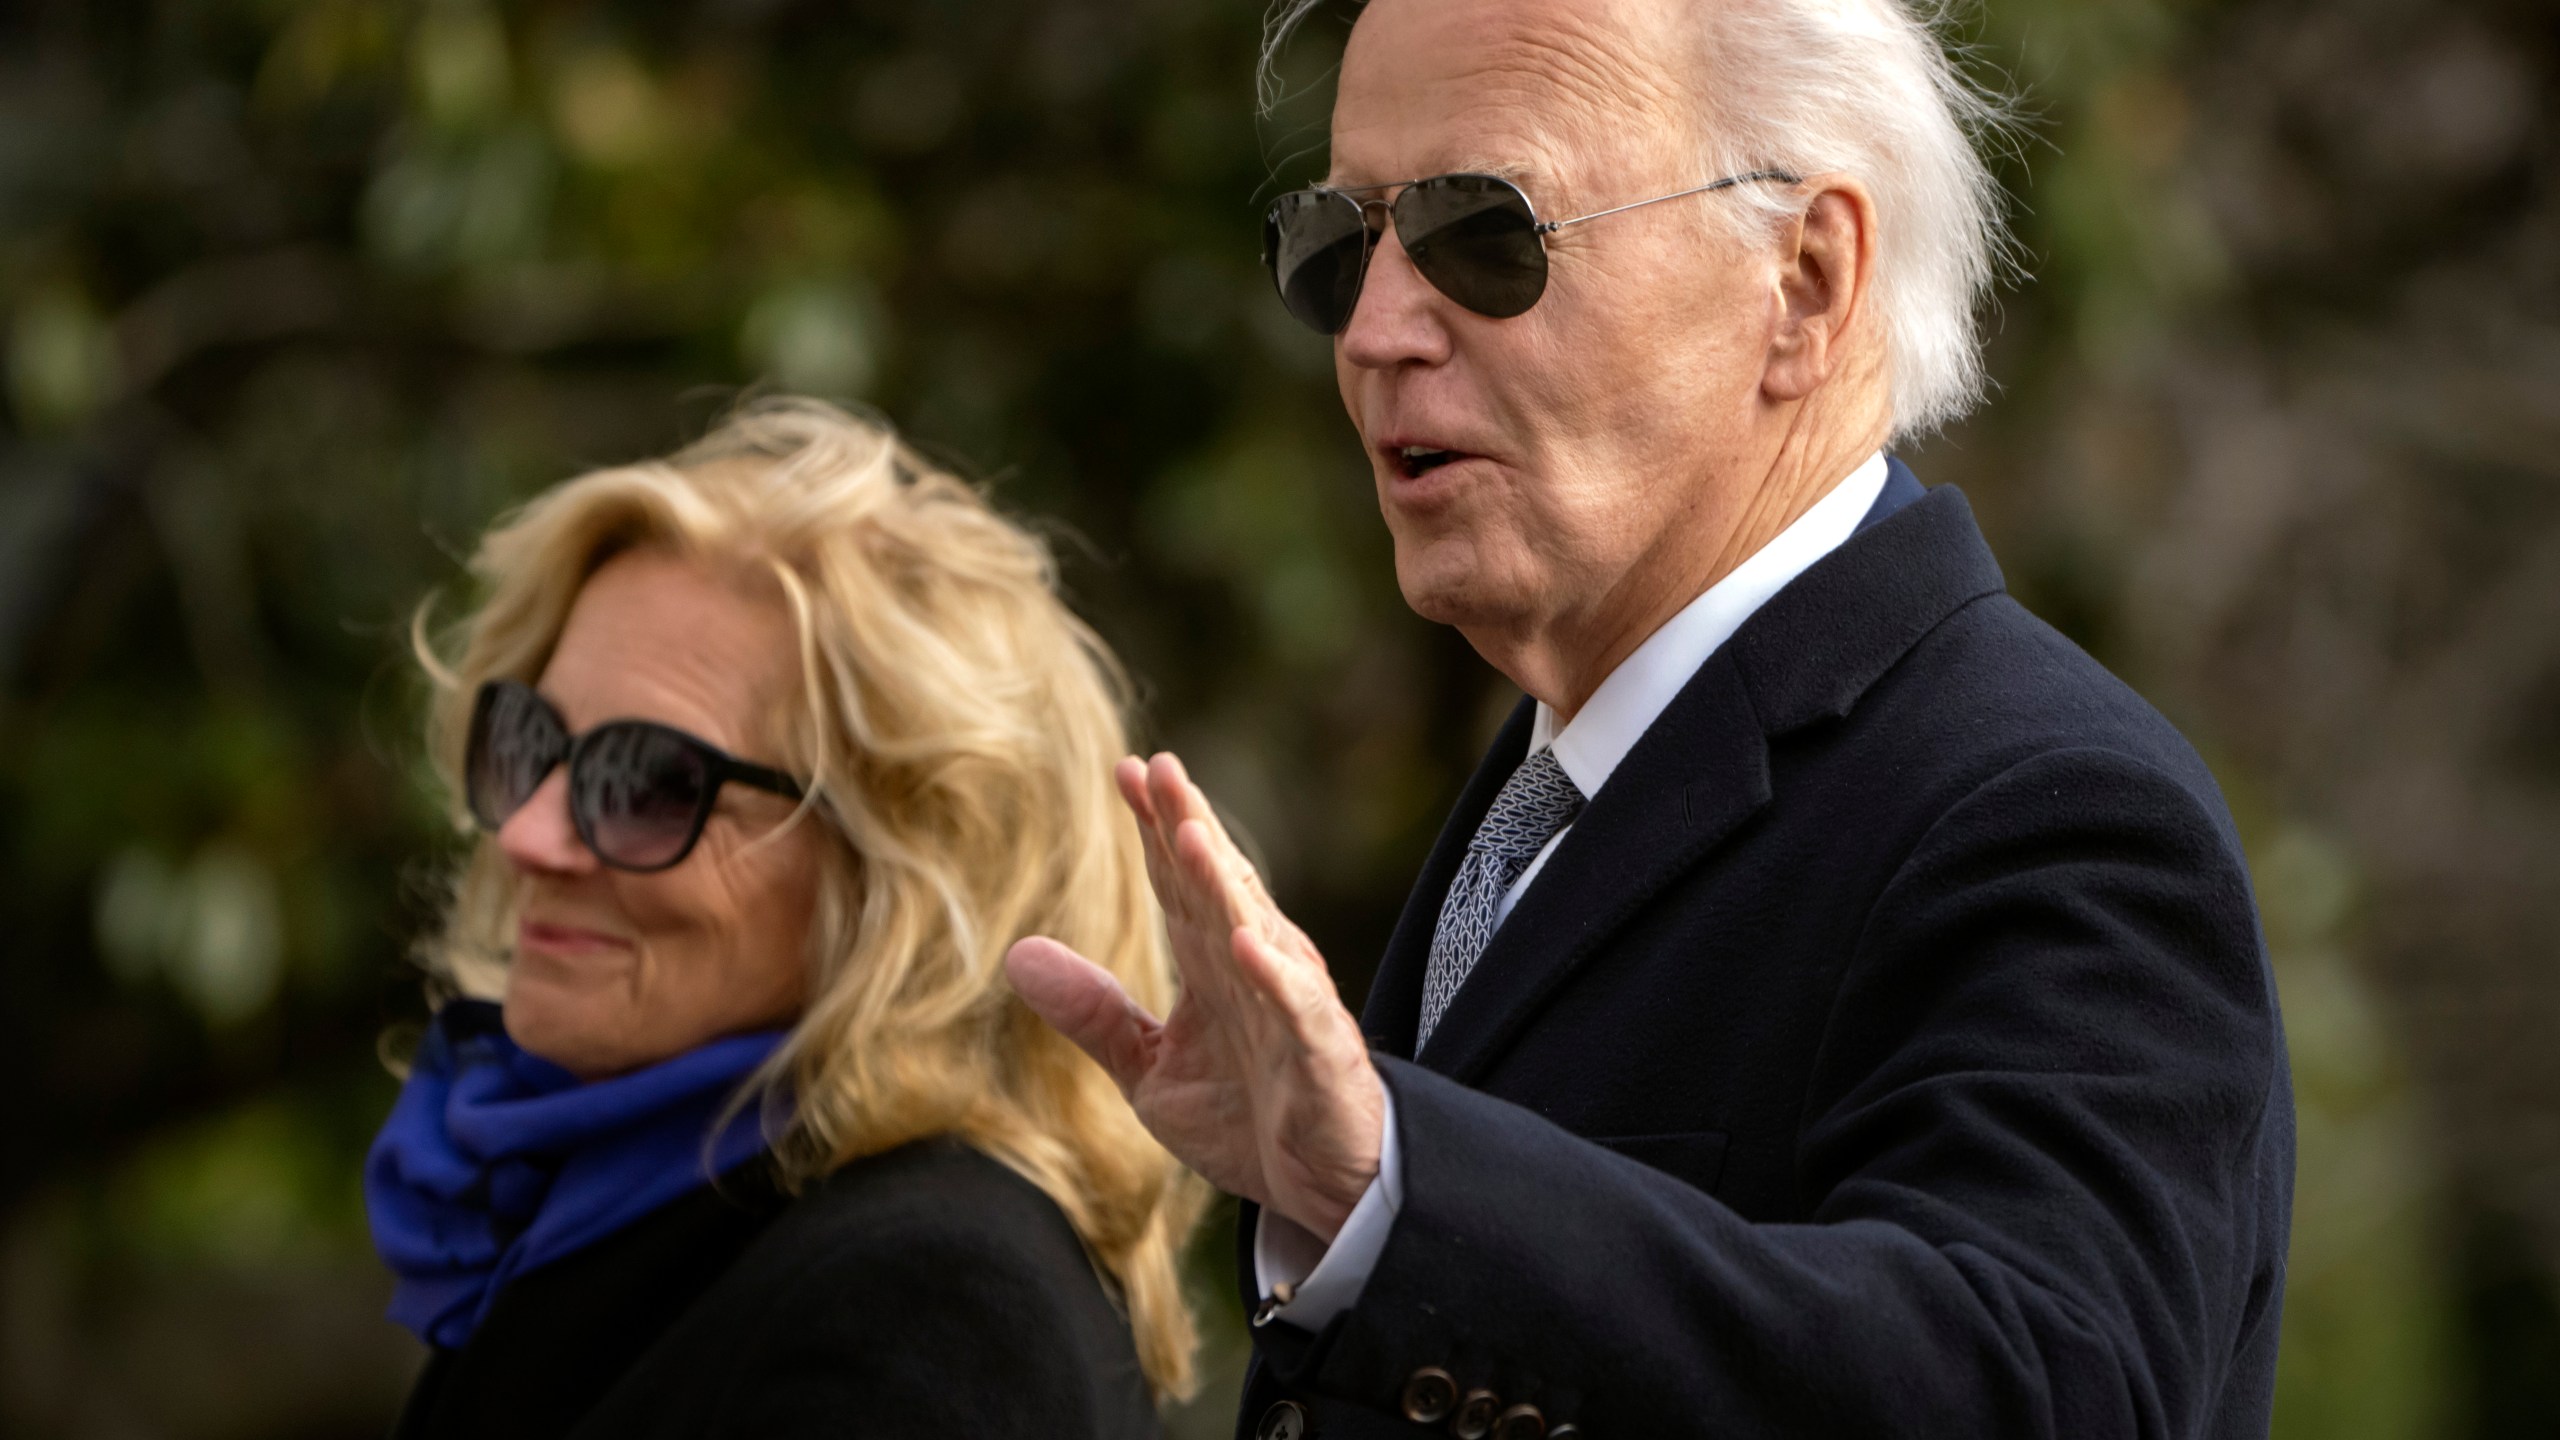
x: 553, y: 939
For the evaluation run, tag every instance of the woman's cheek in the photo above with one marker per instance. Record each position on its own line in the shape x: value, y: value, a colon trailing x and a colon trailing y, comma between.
x: 693, y: 927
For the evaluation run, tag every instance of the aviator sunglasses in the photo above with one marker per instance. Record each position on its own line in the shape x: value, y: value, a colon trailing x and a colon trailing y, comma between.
x: 1474, y: 237
x: 639, y: 792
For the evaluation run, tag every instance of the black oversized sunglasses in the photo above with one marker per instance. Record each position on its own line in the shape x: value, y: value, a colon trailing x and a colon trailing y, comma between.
x: 1474, y: 237
x: 639, y: 792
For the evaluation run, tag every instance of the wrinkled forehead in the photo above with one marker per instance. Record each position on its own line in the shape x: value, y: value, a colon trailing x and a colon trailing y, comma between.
x: 1553, y: 90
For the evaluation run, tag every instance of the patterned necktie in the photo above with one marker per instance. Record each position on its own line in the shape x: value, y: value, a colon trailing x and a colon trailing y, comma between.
x: 1537, y: 801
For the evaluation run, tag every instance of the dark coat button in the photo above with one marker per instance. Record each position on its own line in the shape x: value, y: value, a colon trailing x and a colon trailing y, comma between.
x: 1285, y: 1420
x: 1430, y: 1395
x: 1520, y: 1422
x: 1474, y: 1419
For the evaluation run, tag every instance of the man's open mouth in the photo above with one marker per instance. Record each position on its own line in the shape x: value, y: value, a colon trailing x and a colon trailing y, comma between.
x: 1415, y: 460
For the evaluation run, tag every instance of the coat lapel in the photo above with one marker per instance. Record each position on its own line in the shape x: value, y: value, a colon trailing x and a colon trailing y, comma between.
x: 1699, y: 772
x: 1695, y: 777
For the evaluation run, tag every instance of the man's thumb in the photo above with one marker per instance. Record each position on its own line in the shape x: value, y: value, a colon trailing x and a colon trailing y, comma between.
x: 1083, y: 1002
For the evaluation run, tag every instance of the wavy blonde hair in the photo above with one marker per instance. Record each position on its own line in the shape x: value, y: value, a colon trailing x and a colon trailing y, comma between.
x: 959, y: 726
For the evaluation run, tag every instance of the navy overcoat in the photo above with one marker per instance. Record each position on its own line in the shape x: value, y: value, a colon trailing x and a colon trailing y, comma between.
x: 1889, y: 1049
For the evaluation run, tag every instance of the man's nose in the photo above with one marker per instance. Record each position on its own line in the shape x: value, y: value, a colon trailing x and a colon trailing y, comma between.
x: 1398, y: 317
x: 540, y: 835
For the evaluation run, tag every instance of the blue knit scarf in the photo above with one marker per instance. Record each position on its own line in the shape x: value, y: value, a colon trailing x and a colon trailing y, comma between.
x: 496, y: 1162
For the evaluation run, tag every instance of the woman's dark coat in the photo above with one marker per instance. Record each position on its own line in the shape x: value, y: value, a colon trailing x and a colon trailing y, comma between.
x: 929, y: 1291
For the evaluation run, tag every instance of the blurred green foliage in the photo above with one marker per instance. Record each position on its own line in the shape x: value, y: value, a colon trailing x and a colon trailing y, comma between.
x: 2370, y: 1297
x: 299, y: 294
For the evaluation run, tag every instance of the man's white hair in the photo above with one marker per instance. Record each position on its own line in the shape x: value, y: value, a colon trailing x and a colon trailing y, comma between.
x: 1865, y: 88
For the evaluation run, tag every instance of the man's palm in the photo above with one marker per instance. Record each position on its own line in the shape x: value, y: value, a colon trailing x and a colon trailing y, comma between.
x: 1259, y: 1079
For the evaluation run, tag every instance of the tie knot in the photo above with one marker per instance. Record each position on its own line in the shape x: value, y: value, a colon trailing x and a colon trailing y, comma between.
x: 1537, y: 801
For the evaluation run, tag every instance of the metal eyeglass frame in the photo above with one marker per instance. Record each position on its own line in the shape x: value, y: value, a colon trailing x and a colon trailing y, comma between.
x: 1549, y: 227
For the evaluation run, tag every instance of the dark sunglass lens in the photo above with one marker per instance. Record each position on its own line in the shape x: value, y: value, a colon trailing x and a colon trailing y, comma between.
x: 638, y: 792
x: 1476, y: 240
x: 1316, y: 242
x: 515, y: 740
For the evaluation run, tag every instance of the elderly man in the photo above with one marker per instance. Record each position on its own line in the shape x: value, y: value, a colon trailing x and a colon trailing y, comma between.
x: 1836, y: 1006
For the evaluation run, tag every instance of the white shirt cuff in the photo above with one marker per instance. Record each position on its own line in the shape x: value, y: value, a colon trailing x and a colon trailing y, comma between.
x: 1328, y: 1281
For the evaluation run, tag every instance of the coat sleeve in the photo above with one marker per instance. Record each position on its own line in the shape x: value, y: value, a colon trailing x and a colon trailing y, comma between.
x: 2045, y: 1125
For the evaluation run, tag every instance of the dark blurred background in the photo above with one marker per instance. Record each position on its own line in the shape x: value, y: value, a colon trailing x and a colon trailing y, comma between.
x: 298, y: 294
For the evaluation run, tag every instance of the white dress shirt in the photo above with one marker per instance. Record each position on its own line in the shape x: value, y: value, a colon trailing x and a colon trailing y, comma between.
x: 1328, y: 1281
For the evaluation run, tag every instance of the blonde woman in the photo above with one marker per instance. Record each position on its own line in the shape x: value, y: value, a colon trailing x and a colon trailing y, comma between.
x: 731, y: 1125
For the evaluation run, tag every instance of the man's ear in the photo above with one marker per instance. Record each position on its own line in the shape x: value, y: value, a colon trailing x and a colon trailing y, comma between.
x: 1826, y: 260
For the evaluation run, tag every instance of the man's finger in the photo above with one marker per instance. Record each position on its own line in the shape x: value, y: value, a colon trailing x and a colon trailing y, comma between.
x: 1297, y: 986
x: 1170, y: 800
x: 1202, y: 879
x: 1169, y: 786
x: 1155, y: 841
x: 1131, y: 776
x: 1222, y: 890
x: 1198, y: 914
x: 1085, y: 1003
x: 1189, y: 802
x: 1211, y: 862
x: 1241, y: 885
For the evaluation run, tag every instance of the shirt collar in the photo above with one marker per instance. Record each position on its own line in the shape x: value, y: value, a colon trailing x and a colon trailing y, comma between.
x: 1636, y: 693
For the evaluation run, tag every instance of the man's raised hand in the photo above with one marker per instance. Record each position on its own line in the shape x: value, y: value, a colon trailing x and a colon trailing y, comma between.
x: 1259, y: 1079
